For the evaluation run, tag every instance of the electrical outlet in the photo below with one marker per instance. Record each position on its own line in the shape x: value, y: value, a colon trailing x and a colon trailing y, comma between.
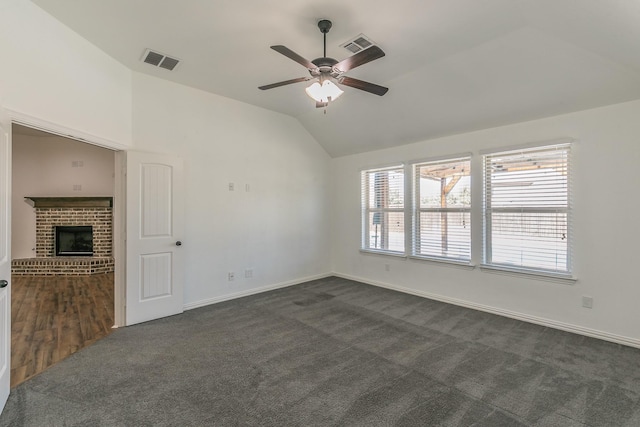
x: 232, y: 186
x: 77, y: 187
x: 248, y: 273
x: 231, y: 276
x: 587, y: 302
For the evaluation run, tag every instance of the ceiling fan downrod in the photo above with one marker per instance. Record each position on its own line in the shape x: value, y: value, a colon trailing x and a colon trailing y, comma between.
x: 325, y: 26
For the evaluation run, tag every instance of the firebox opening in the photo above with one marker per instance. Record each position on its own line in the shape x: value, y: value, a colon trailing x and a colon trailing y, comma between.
x: 74, y: 240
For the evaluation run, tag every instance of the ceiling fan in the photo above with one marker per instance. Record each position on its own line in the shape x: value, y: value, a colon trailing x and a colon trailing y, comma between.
x: 327, y: 70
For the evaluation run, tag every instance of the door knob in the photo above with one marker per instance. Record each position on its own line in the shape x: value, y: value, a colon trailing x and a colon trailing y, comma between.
x: 178, y: 243
x: 3, y: 283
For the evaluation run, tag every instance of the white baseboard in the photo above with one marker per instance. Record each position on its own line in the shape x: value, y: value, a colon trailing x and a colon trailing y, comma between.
x: 594, y: 333
x: 228, y: 297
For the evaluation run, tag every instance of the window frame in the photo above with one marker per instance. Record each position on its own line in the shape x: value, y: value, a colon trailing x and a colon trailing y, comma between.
x: 365, y: 210
x: 416, y: 209
x: 487, y: 247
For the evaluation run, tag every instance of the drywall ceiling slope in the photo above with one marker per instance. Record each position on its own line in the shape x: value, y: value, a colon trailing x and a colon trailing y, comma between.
x: 452, y: 66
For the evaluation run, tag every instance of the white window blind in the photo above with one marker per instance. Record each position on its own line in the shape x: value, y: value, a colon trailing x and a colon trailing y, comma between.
x: 442, y: 209
x: 383, y: 209
x: 527, y: 209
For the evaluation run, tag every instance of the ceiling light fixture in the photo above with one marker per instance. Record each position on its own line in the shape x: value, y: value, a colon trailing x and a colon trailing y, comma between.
x: 326, y: 92
x: 325, y: 71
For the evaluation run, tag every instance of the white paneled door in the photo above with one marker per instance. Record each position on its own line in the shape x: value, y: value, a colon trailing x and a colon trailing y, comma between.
x: 5, y: 258
x: 154, y: 224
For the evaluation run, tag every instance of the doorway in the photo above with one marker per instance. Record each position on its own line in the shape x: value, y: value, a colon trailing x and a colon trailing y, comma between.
x: 56, y: 310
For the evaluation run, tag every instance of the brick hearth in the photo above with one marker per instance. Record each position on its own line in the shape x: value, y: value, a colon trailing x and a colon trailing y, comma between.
x: 69, y: 211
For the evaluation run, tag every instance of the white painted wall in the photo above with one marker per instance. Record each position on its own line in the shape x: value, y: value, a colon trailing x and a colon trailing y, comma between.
x: 279, y: 228
x: 43, y: 166
x: 52, y: 74
x: 606, y: 175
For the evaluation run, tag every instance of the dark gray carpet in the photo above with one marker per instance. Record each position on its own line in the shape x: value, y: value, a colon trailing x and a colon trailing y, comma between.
x: 336, y: 352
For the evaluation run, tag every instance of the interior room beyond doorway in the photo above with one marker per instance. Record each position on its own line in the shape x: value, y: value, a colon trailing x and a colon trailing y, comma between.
x: 60, y: 302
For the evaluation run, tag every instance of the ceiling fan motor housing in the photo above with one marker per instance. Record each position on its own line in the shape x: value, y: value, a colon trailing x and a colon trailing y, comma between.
x: 325, y: 67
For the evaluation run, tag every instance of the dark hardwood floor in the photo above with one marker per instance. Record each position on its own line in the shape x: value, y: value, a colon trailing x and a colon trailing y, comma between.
x: 53, y: 317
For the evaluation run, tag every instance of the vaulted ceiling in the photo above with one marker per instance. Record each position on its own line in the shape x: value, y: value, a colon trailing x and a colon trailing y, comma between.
x: 451, y: 66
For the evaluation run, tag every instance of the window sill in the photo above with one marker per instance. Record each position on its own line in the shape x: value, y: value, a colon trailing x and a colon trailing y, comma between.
x: 531, y: 274
x: 445, y: 262
x: 386, y: 253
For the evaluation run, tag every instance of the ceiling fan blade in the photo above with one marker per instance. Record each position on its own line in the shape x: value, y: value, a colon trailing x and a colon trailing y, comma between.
x: 362, y: 85
x: 286, y: 82
x: 292, y: 55
x: 360, y: 58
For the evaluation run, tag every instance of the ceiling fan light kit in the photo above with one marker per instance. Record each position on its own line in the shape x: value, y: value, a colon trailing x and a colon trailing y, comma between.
x: 326, y: 92
x: 328, y: 71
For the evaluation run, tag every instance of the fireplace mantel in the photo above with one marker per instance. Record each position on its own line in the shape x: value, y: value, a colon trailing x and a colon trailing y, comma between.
x: 71, y: 202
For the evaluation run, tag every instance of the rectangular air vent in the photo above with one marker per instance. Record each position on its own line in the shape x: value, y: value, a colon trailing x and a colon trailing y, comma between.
x: 358, y: 43
x: 160, y: 60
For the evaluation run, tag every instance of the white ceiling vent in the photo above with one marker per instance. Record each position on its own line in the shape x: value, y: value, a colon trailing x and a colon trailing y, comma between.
x: 358, y: 43
x: 160, y: 60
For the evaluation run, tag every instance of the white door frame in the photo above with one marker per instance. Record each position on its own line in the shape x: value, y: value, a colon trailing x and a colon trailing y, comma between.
x: 5, y: 258
x: 118, y: 196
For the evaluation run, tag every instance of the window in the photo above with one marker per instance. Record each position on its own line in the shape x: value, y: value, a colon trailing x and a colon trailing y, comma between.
x: 442, y: 209
x: 527, y: 209
x: 383, y: 210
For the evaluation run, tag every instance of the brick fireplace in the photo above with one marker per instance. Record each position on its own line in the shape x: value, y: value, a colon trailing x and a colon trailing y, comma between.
x: 96, y: 212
